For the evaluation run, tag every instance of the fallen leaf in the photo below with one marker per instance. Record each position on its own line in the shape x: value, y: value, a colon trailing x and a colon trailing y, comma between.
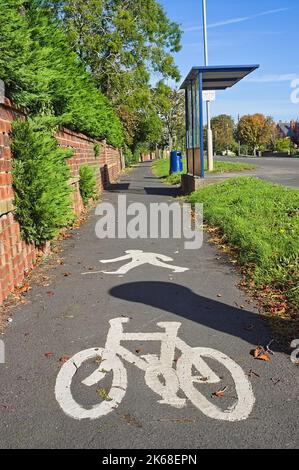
x: 219, y: 393
x: 264, y: 357
x: 64, y: 359
x: 49, y: 355
x: 257, y: 351
x: 25, y: 288
x: 99, y: 360
x: 102, y: 392
x: 260, y: 354
x: 131, y: 420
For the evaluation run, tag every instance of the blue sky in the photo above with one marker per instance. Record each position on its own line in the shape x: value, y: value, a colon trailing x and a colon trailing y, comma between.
x: 244, y: 32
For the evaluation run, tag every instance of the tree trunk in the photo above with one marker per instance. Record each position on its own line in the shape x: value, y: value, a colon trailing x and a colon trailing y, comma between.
x: 170, y: 143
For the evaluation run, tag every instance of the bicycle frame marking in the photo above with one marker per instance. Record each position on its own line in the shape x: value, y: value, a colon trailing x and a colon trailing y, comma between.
x: 154, y: 367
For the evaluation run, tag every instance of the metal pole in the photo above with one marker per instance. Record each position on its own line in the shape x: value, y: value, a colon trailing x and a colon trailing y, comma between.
x: 187, y: 127
x: 202, y: 158
x: 209, y: 130
x: 239, y: 139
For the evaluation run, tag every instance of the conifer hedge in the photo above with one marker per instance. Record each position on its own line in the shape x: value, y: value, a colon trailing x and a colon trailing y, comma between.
x: 40, y: 181
x: 45, y: 77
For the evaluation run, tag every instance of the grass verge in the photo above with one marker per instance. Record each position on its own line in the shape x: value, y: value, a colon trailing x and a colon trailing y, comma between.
x: 259, y: 221
x: 161, y: 169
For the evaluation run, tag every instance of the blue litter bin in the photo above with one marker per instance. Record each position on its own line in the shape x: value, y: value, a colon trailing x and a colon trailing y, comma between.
x: 176, y: 162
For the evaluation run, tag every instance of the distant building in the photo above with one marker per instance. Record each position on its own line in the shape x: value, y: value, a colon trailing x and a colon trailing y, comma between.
x: 289, y: 129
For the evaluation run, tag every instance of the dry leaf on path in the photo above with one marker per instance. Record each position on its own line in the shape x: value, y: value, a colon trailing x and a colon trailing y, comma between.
x: 25, y: 288
x: 64, y: 359
x: 49, y: 355
x: 219, y: 393
x: 260, y: 354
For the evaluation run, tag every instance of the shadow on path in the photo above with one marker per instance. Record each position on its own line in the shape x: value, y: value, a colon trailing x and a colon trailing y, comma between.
x: 170, y: 191
x: 183, y: 302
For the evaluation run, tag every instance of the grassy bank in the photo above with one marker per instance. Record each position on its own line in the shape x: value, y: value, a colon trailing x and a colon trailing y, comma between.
x: 260, y: 221
x: 161, y: 169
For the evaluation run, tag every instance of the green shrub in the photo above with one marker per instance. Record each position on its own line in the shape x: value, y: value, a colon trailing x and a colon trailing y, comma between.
x: 40, y: 181
x: 130, y: 158
x: 44, y: 76
x: 87, y: 183
x: 97, y: 148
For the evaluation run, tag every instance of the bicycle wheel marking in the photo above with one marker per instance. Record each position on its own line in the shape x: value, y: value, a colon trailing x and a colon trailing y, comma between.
x: 63, y: 391
x: 155, y: 367
x: 237, y: 412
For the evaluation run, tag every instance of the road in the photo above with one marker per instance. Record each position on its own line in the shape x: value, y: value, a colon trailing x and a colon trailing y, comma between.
x: 159, y: 406
x: 278, y: 170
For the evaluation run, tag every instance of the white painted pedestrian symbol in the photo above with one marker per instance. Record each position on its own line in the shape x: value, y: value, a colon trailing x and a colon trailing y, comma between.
x: 139, y: 258
x: 190, y: 374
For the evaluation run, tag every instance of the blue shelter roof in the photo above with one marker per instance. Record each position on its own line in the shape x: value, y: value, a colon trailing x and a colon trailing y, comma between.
x: 219, y: 77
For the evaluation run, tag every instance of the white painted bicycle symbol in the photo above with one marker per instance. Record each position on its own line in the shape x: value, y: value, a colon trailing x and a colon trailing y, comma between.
x: 160, y: 374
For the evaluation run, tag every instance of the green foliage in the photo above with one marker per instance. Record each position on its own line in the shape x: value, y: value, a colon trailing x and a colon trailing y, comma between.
x: 45, y: 77
x: 97, y: 148
x: 223, y: 133
x: 40, y: 181
x: 87, y: 183
x: 261, y: 221
x: 130, y: 158
x: 122, y: 42
x: 161, y: 169
x: 283, y: 145
x: 171, y: 107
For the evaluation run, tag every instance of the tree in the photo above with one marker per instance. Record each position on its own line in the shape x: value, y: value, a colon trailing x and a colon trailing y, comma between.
x: 223, y: 132
x: 284, y: 145
x: 256, y: 131
x: 43, y: 75
x: 171, y: 108
x: 122, y: 42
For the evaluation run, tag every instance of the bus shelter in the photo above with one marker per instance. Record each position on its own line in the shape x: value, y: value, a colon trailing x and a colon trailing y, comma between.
x: 198, y: 80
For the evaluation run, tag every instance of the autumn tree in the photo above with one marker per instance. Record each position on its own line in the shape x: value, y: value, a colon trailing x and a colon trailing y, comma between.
x: 256, y: 131
x: 223, y: 132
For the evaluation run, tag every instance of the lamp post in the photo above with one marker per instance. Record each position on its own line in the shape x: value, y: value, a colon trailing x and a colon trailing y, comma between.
x: 209, y: 130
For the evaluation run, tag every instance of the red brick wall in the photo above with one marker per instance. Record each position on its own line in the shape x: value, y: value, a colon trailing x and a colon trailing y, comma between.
x: 107, y: 164
x: 146, y: 158
x: 16, y: 256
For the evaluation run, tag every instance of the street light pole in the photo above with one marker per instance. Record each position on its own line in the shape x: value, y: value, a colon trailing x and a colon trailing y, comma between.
x: 209, y: 130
